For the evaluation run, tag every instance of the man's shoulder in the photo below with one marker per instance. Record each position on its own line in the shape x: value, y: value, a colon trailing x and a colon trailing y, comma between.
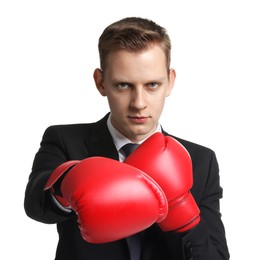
x: 77, y: 127
x: 70, y: 127
x: 194, y: 145
x: 195, y: 149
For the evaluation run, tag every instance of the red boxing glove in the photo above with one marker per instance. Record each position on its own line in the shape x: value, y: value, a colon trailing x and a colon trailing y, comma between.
x: 113, y: 200
x: 166, y: 161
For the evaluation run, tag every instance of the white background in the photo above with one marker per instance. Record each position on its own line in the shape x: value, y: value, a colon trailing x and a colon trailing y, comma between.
x: 48, y: 51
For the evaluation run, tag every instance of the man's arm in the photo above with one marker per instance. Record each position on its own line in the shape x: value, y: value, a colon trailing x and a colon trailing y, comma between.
x: 207, y: 240
x: 168, y: 163
x: 38, y: 203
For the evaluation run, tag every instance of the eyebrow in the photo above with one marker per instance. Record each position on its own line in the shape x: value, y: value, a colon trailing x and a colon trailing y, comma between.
x: 115, y: 81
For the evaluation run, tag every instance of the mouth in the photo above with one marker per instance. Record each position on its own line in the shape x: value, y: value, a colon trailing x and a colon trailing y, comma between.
x: 138, y: 119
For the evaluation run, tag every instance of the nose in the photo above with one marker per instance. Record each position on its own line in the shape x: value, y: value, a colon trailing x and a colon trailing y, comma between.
x: 138, y: 99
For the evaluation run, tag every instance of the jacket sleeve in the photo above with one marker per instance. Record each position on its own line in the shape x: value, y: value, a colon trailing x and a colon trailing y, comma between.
x: 207, y: 240
x: 39, y: 204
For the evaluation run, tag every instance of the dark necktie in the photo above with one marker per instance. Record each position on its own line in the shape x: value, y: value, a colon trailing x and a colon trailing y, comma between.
x: 134, y: 241
x: 128, y: 148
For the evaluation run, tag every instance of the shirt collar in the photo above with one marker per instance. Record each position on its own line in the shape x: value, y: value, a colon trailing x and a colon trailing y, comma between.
x: 119, y: 139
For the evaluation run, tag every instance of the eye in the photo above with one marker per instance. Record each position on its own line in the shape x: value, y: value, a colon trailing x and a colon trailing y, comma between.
x: 153, y: 85
x: 123, y: 85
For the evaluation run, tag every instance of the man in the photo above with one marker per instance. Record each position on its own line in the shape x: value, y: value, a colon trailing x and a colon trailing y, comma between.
x: 104, y: 208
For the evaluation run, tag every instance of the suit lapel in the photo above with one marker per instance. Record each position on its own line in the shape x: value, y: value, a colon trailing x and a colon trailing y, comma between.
x: 100, y: 142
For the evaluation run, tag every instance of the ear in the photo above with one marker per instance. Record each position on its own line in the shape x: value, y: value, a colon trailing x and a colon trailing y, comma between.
x: 172, y: 78
x: 98, y: 78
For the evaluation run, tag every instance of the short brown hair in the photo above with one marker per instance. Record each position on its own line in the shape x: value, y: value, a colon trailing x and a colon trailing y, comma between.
x: 132, y: 34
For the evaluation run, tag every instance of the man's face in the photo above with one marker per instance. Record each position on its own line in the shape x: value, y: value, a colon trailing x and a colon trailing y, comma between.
x: 136, y: 85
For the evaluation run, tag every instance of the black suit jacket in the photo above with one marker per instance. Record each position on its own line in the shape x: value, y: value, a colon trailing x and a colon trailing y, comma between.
x: 76, y: 142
